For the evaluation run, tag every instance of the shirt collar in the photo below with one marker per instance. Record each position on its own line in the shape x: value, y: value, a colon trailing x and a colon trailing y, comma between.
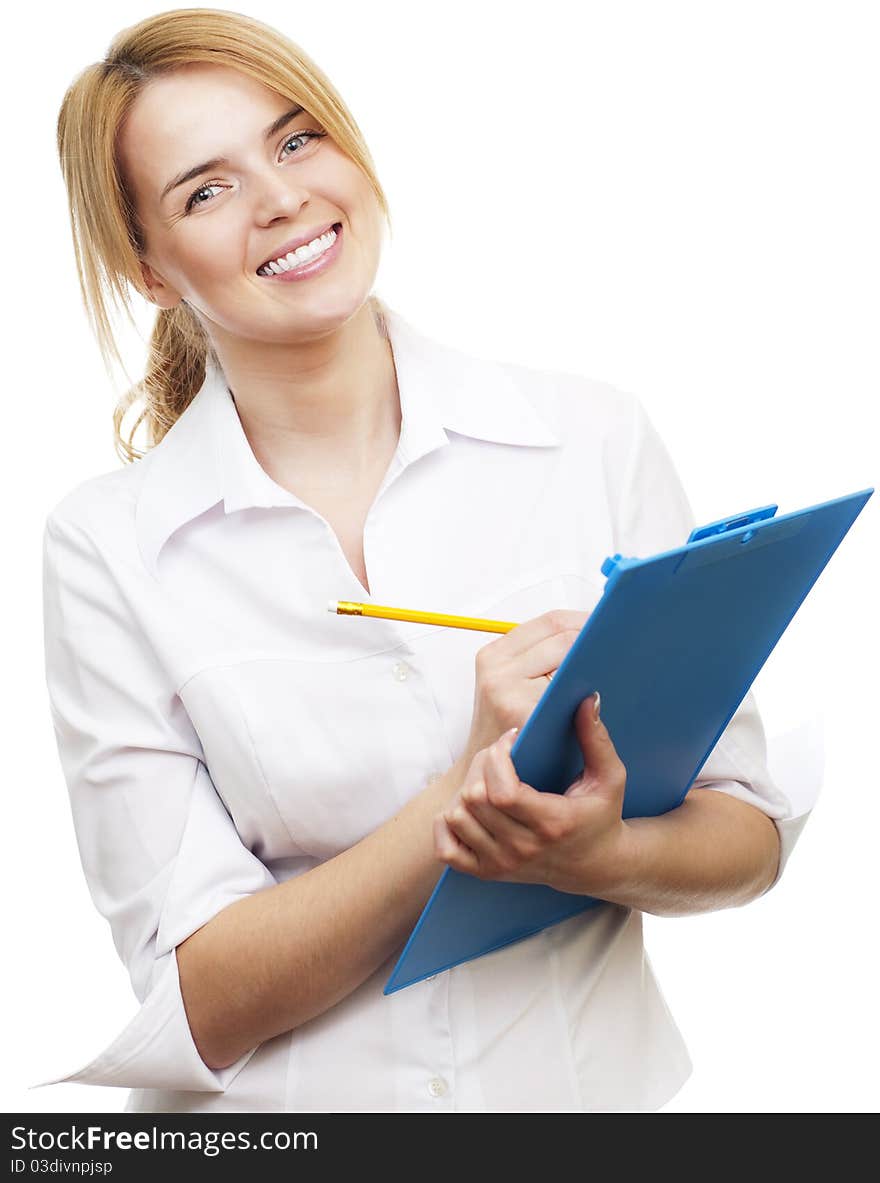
x: 205, y: 457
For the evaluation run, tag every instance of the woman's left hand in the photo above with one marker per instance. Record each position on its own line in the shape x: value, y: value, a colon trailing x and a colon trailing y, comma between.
x: 497, y: 827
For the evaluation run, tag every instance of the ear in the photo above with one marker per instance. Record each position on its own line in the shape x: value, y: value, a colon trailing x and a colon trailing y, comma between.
x: 155, y: 289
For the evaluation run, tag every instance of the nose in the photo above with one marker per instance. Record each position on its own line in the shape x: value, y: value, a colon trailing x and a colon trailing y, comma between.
x: 278, y: 196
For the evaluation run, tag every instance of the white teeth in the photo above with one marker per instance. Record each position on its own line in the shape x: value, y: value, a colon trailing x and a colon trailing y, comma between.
x: 302, y: 254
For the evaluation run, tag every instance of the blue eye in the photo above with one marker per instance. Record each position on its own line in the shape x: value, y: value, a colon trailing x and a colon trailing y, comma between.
x: 300, y: 135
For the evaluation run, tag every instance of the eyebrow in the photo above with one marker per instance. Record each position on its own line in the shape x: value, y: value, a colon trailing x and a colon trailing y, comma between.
x: 209, y: 165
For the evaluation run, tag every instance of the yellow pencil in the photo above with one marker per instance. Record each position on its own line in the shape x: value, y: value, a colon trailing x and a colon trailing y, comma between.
x: 349, y: 608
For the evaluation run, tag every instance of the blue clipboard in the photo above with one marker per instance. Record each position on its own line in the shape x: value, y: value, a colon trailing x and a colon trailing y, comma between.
x: 674, y: 645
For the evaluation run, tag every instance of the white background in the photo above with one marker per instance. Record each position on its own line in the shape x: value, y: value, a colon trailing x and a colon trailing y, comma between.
x: 679, y: 198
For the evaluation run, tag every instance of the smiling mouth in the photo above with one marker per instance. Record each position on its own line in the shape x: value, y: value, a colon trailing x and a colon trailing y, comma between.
x: 293, y: 260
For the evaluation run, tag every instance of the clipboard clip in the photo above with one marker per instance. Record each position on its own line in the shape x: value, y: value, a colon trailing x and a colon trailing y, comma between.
x: 723, y: 526
x: 726, y: 525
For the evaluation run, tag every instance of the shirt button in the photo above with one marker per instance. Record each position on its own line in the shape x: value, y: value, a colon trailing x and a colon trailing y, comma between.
x: 437, y: 1086
x: 400, y: 670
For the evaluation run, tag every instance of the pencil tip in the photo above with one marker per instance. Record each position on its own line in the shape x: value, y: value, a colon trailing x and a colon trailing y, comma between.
x: 331, y: 605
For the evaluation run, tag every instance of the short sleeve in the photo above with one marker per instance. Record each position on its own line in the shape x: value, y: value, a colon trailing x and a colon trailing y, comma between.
x: 160, y: 853
x: 651, y: 513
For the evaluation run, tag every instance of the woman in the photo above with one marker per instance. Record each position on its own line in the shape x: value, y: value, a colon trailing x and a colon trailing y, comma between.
x: 264, y: 793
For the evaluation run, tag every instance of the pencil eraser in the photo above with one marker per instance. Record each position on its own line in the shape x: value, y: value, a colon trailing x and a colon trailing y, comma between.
x: 331, y: 605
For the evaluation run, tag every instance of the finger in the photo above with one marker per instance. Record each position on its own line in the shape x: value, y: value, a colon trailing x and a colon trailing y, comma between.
x: 529, y: 633
x: 505, y: 829
x: 475, y: 794
x: 539, y: 813
x: 547, y: 655
x: 532, y: 811
x: 450, y: 850
x: 499, y: 775
x: 557, y: 620
x: 470, y: 831
x: 604, y: 771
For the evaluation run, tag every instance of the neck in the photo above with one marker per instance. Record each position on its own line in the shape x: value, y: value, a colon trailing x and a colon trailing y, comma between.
x: 318, y: 407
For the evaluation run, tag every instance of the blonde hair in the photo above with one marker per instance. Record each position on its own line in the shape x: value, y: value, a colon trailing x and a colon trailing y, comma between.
x: 108, y: 239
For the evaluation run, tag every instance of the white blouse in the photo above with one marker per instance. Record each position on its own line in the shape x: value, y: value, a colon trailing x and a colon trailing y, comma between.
x: 220, y: 731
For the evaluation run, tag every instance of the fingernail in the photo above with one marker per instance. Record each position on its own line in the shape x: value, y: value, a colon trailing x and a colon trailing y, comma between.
x: 512, y: 732
x: 596, y: 706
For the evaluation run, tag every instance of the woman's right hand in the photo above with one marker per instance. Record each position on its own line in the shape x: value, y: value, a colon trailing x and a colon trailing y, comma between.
x: 511, y: 673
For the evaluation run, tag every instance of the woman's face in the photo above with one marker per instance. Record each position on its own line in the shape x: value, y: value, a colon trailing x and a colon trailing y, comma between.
x: 206, y: 237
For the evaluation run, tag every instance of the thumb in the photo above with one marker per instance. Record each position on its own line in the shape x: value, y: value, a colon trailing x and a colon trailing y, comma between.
x: 603, y: 769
